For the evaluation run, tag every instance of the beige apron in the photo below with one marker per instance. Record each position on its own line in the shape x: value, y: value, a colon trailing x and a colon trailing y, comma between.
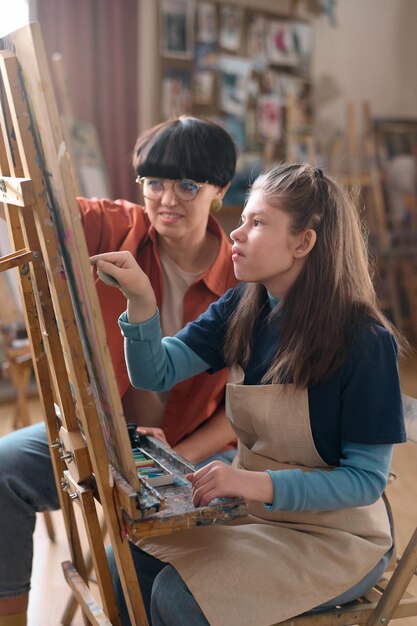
x: 274, y: 565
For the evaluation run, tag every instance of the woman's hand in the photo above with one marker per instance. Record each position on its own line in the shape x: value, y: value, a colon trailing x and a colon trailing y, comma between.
x: 158, y: 433
x: 131, y: 279
x: 218, y: 480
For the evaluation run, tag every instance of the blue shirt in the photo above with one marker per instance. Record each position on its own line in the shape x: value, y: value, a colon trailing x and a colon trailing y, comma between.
x: 360, y: 470
x: 361, y: 403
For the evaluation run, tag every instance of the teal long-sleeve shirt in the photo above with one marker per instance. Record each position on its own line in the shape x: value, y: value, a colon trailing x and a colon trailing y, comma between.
x: 157, y: 364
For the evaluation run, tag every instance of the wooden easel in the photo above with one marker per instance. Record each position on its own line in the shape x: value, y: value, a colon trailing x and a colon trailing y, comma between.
x: 353, y: 162
x: 90, y: 447
x: 58, y: 354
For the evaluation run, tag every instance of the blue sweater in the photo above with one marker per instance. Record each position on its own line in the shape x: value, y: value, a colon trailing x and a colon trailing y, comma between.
x: 359, y: 476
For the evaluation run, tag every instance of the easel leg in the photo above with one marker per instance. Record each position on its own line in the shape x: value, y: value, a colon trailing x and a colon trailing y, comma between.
x: 72, y: 604
x: 84, y: 596
x: 83, y: 496
x: 49, y: 526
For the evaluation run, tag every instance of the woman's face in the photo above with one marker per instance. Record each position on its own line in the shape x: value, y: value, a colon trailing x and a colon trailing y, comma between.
x: 264, y: 250
x: 173, y: 217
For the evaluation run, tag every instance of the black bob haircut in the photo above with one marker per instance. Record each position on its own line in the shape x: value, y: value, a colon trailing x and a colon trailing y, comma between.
x: 186, y: 147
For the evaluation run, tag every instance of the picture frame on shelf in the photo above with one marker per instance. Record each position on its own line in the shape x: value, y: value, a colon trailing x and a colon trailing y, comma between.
x: 281, y: 43
x: 302, y: 42
x: 270, y: 118
x: 233, y: 95
x: 231, y: 24
x: 88, y: 159
x: 256, y: 41
x: 203, y: 87
x: 177, y: 28
x: 207, y: 28
x: 234, y: 78
x: 206, y: 56
x: 176, y: 92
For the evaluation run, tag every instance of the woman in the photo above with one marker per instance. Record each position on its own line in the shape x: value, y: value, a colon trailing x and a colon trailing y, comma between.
x: 313, y: 397
x: 184, y: 167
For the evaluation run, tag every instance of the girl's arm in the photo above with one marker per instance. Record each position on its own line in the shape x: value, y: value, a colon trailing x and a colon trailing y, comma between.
x: 359, y: 481
x: 154, y: 363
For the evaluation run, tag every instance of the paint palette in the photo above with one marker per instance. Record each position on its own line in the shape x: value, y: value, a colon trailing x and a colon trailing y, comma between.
x: 150, y: 469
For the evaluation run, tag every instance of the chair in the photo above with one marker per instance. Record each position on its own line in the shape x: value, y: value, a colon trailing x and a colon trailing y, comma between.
x: 389, y: 598
x: 18, y: 368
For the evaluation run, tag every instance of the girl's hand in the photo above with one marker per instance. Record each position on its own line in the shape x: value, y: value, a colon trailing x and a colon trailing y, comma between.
x: 217, y: 480
x: 131, y: 279
x: 122, y: 267
x: 158, y: 433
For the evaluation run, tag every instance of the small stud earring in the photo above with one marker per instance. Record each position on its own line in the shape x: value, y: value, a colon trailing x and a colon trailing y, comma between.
x: 216, y: 205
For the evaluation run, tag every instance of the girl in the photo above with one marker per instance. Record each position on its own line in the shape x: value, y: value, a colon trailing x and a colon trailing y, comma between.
x: 313, y: 396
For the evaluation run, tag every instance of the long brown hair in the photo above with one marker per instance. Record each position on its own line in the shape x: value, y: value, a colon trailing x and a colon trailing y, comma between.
x: 333, y: 293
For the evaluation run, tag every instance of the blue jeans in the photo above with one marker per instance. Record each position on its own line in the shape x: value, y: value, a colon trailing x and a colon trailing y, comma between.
x: 169, y: 602
x: 27, y: 486
x: 227, y: 457
x: 166, y: 597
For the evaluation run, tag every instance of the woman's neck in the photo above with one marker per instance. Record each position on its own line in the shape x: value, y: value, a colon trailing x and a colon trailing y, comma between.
x: 191, y: 256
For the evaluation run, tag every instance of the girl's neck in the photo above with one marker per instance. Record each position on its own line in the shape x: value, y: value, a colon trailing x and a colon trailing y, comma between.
x: 273, y: 301
x: 191, y: 256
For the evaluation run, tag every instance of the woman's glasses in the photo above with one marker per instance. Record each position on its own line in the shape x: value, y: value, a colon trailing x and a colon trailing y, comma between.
x: 185, y: 190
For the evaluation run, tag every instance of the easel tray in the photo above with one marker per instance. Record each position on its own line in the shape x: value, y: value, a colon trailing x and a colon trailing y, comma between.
x: 176, y: 510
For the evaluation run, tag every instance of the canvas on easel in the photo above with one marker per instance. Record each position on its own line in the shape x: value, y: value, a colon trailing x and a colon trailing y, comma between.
x: 90, y: 447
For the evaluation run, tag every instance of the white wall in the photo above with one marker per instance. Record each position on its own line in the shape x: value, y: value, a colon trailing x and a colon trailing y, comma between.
x: 13, y: 15
x: 370, y: 55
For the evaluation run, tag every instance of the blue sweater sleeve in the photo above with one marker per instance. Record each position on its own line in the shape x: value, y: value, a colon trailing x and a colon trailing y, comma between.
x: 157, y: 363
x: 359, y: 480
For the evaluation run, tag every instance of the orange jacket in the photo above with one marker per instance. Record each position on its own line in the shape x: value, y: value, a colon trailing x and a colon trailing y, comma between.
x: 122, y: 225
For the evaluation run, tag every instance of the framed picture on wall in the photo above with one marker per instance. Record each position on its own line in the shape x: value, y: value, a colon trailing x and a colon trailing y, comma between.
x: 231, y: 21
x: 302, y: 42
x: 88, y: 159
x: 177, y: 28
x: 206, y: 56
x: 176, y: 92
x: 203, y: 87
x: 281, y: 44
x: 207, y: 28
x: 270, y: 123
x: 256, y: 38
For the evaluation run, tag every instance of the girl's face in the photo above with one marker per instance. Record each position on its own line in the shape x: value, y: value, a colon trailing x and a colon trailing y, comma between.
x: 264, y: 251
x: 178, y: 219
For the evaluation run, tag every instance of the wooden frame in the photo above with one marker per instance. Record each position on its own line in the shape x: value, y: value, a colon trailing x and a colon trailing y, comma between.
x: 177, y: 28
x: 90, y: 448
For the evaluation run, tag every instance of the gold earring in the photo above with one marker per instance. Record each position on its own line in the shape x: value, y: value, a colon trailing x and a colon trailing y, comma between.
x: 216, y: 205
